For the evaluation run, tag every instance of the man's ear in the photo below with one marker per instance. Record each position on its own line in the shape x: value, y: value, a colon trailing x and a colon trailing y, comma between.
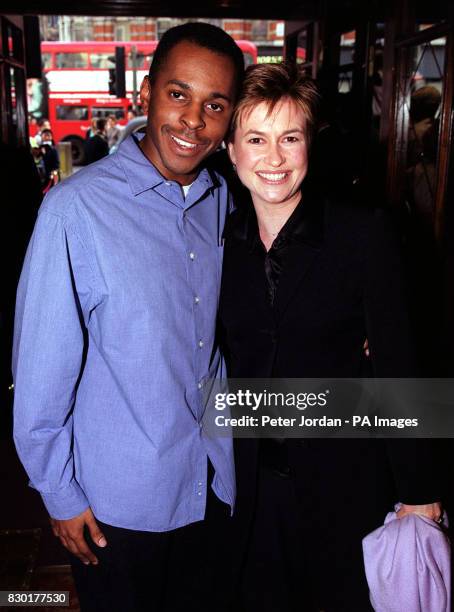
x: 231, y: 151
x: 145, y: 93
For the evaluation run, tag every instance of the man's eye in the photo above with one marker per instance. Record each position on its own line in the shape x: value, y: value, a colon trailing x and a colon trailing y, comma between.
x: 291, y: 139
x: 255, y: 140
x: 217, y: 108
x: 177, y: 95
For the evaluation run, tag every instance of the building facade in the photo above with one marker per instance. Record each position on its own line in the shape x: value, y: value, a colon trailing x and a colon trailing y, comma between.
x: 268, y: 35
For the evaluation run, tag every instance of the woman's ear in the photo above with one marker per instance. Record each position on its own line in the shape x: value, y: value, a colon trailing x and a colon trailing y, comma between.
x: 231, y: 150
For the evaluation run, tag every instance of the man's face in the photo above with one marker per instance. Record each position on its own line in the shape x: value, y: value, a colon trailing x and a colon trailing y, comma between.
x: 189, y: 105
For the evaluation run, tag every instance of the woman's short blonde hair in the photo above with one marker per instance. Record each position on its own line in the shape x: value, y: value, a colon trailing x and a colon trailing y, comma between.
x: 271, y: 83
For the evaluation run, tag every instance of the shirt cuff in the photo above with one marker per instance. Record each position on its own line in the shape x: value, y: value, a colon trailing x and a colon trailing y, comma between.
x: 66, y: 503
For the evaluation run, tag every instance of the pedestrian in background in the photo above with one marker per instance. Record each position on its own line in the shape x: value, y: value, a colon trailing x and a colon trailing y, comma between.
x: 50, y: 154
x: 96, y: 147
x: 113, y: 131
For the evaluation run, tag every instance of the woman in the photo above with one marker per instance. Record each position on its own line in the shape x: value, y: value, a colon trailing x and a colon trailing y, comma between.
x: 305, y: 281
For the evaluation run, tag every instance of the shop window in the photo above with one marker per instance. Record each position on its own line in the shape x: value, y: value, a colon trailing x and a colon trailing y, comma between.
x: 347, y: 48
x: 12, y: 41
x: 422, y: 100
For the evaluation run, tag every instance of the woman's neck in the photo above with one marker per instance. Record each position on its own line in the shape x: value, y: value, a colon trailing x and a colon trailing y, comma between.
x: 271, y: 218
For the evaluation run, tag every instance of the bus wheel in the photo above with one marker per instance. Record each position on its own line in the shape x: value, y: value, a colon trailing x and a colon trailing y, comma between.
x: 77, y: 150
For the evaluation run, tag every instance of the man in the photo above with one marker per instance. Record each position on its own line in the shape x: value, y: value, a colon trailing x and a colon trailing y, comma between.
x: 113, y: 131
x: 114, y: 342
x: 43, y: 124
x: 96, y: 146
x: 50, y: 155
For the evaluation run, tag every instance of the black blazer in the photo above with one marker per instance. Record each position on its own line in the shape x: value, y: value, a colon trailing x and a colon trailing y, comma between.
x: 343, y: 283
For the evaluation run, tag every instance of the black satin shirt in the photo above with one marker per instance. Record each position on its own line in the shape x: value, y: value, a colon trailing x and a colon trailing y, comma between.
x: 274, y: 259
x: 274, y: 452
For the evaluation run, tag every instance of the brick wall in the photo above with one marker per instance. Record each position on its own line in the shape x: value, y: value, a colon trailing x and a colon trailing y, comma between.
x: 143, y: 29
x: 103, y: 29
x: 239, y: 29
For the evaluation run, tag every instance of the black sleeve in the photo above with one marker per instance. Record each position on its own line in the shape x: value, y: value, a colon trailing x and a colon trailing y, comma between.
x: 413, y: 461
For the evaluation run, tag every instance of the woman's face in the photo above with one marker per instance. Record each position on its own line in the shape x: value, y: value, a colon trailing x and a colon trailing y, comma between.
x: 270, y: 152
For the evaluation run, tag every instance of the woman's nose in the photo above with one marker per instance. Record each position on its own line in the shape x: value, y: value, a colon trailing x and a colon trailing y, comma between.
x: 275, y: 155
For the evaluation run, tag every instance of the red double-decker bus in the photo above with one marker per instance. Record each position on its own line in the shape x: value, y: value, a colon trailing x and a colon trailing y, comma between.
x: 75, y: 89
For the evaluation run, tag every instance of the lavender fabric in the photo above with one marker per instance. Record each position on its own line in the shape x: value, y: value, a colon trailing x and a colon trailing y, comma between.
x: 407, y: 564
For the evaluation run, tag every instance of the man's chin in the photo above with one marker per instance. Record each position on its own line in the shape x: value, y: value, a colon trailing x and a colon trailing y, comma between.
x: 184, y: 173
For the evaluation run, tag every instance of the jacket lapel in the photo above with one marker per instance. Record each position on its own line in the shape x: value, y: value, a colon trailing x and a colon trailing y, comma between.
x: 303, y: 253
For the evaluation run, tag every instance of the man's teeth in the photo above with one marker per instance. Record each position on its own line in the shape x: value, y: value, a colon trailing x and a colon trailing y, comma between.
x: 273, y: 177
x: 183, y: 143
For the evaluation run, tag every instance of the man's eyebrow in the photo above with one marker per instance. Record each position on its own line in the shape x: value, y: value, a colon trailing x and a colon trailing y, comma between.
x: 217, y: 94
x: 291, y: 131
x: 186, y: 86
x: 181, y: 84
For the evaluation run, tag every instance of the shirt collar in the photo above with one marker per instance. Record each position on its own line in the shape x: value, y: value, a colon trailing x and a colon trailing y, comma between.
x: 305, y: 224
x: 142, y: 175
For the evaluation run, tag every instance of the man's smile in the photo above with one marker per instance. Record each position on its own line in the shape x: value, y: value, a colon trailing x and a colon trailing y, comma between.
x: 186, y: 145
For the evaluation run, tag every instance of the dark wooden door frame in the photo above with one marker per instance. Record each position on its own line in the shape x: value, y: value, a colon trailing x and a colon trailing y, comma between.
x: 396, y: 124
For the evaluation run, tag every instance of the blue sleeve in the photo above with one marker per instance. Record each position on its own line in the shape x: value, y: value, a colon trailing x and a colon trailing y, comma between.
x: 54, y: 300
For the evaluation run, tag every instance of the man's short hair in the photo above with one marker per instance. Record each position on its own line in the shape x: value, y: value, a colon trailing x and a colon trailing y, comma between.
x: 204, y: 35
x: 46, y: 131
x: 101, y: 124
x: 272, y: 83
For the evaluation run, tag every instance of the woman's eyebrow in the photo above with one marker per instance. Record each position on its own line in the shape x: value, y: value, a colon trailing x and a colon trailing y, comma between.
x: 259, y: 133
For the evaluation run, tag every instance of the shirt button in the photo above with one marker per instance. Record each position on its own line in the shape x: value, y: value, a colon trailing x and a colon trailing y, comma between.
x: 191, y: 255
x: 200, y: 385
x: 196, y: 299
x: 200, y: 483
x: 200, y: 343
x: 199, y: 493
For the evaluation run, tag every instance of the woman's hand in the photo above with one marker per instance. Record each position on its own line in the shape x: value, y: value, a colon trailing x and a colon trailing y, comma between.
x: 433, y: 511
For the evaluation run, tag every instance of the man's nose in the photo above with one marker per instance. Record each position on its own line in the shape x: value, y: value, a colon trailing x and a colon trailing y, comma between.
x: 192, y: 117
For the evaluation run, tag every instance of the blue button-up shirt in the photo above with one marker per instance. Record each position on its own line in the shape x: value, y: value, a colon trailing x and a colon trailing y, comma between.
x: 114, y: 340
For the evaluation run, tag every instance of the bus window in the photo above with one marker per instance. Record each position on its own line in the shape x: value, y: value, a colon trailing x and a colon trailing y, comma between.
x: 46, y: 60
x: 66, y: 112
x: 101, y: 60
x: 143, y: 61
x: 102, y: 112
x: 72, y: 60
